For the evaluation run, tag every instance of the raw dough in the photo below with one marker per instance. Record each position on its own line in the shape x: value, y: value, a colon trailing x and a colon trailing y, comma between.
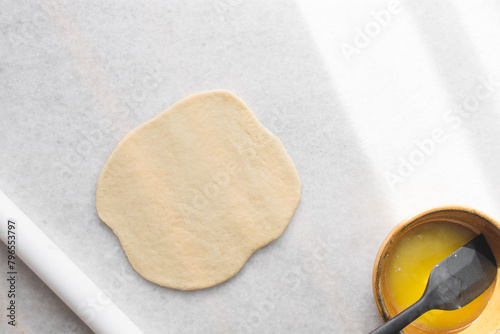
x: 194, y: 192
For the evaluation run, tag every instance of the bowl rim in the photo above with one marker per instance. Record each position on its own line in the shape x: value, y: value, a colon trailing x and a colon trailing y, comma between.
x: 402, y: 228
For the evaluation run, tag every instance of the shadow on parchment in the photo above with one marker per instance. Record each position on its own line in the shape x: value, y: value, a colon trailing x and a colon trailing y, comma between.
x: 460, y: 68
x: 341, y: 193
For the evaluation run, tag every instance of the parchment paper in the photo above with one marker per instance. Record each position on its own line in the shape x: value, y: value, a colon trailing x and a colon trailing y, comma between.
x: 373, y: 134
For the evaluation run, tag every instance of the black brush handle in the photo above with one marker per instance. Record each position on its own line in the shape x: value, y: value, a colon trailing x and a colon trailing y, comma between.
x: 403, y: 319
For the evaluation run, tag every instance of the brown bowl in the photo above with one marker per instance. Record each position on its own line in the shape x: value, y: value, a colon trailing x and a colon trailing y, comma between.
x: 489, y: 320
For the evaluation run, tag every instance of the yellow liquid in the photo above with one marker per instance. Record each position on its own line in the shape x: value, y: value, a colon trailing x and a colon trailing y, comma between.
x: 407, y: 270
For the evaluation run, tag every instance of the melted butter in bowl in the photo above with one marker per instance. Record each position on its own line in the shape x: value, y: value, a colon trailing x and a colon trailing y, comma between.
x: 407, y: 270
x: 409, y: 253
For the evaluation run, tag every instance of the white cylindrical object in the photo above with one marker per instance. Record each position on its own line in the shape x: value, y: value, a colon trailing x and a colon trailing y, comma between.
x: 60, y: 274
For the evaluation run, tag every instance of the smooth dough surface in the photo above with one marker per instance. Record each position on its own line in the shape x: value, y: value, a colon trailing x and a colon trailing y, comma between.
x: 194, y: 192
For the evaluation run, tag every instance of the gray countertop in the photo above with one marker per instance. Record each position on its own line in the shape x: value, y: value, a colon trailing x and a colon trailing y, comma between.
x: 387, y: 109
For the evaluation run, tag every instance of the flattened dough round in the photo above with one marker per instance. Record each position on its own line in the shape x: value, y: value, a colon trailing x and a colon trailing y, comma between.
x: 194, y: 192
